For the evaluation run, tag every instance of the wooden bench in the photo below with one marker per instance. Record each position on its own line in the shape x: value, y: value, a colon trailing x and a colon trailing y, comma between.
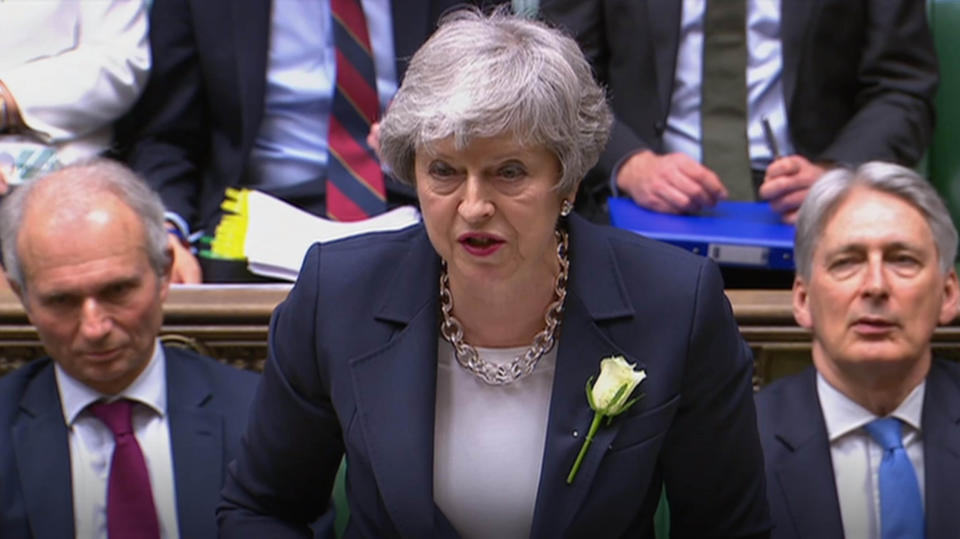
x: 230, y: 323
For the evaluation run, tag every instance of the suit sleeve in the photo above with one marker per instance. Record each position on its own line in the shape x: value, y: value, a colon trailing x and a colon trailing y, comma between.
x: 285, y: 469
x: 586, y: 22
x: 67, y: 95
x: 165, y: 137
x: 712, y: 461
x: 898, y: 77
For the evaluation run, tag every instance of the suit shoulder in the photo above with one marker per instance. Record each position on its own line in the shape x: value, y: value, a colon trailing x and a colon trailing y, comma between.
x: 631, y: 244
x: 14, y: 384
x: 776, y: 400
x: 949, y: 367
x: 646, y: 261
x: 16, y: 381
x: 368, y: 247
x: 221, y: 376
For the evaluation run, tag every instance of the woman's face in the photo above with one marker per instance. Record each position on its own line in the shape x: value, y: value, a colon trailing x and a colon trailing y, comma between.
x: 491, y: 208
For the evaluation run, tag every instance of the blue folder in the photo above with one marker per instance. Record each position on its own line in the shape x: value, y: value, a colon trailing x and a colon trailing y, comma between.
x: 732, y: 233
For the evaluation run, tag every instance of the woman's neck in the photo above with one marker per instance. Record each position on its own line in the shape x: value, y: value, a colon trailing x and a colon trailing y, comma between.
x: 503, y: 314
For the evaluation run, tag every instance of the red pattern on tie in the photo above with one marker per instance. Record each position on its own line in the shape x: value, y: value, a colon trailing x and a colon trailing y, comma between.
x: 131, y: 512
x: 355, y: 185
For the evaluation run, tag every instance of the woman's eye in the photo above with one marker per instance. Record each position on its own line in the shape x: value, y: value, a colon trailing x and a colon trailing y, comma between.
x: 441, y: 170
x: 512, y: 172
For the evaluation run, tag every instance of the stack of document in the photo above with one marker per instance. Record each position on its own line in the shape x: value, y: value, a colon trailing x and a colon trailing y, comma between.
x: 273, y: 236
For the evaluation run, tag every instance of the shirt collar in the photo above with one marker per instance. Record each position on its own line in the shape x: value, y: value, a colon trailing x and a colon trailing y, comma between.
x: 149, y: 388
x: 842, y: 415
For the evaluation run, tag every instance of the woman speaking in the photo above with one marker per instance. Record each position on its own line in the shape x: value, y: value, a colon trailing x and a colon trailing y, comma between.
x: 457, y: 363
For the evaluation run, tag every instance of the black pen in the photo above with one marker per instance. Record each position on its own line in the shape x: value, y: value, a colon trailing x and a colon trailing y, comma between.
x: 771, y: 140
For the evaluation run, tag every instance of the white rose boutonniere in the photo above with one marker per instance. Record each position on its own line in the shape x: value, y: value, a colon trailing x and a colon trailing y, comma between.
x: 608, y: 397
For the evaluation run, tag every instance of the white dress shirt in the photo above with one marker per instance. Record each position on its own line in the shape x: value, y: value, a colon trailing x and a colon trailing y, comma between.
x: 488, y: 444
x: 74, y: 67
x: 92, y: 443
x: 856, y: 456
x: 764, y: 83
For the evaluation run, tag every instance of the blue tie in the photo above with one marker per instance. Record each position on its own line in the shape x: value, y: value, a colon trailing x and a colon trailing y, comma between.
x: 901, y: 509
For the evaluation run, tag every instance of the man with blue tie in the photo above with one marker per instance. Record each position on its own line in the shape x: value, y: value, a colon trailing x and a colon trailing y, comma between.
x: 114, y: 435
x: 865, y: 444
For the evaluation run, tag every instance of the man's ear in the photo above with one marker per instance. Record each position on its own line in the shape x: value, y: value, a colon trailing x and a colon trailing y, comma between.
x: 951, y: 298
x: 801, y: 304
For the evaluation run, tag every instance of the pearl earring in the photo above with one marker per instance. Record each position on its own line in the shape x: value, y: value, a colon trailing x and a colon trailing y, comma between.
x: 565, y: 208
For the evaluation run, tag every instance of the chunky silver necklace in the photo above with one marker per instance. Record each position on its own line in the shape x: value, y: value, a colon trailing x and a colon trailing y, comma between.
x: 523, y: 364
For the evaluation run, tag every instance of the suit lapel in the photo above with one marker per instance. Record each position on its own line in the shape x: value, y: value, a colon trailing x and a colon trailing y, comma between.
x: 665, y: 17
x: 197, y: 443
x: 582, y: 344
x: 941, y: 450
x: 395, y: 389
x: 794, y: 22
x: 805, y: 474
x: 43, y: 458
x: 251, y: 41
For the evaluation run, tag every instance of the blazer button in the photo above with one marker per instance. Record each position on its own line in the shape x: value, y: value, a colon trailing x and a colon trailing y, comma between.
x: 659, y: 127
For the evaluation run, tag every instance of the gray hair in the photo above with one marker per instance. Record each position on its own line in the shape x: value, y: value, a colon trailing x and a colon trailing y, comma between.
x: 835, y: 186
x: 75, y: 188
x: 482, y: 76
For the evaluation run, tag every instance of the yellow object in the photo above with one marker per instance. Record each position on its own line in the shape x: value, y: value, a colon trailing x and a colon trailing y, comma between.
x: 230, y: 237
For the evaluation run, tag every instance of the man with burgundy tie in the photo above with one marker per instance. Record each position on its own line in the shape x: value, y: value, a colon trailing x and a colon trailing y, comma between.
x: 866, y: 444
x: 113, y: 436
x: 270, y: 95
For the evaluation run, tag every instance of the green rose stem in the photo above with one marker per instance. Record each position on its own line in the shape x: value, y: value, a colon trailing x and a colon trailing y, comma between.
x: 594, y: 425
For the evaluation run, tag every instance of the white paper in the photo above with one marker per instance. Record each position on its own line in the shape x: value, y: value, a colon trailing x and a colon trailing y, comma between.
x: 279, y: 234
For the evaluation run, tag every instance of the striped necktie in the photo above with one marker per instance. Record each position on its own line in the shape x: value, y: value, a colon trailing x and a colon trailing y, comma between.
x: 355, y: 188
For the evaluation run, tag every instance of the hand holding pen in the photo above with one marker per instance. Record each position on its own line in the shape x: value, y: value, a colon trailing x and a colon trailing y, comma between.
x: 788, y: 179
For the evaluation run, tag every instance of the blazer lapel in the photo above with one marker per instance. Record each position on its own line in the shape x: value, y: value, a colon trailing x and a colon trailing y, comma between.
x: 664, y: 28
x: 197, y: 443
x: 395, y: 389
x: 43, y: 458
x: 582, y: 345
x: 794, y: 22
x: 805, y: 474
x: 941, y: 451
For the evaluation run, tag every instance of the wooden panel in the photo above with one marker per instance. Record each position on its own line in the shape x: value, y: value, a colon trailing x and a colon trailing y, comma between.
x: 230, y: 323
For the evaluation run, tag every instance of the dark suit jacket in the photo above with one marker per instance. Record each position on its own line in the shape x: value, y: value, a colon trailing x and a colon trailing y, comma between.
x: 352, y: 367
x: 207, y: 406
x: 800, y: 481
x: 859, y: 76
x: 191, y: 133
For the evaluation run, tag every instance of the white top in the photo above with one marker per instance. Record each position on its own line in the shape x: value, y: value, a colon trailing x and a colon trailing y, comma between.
x: 764, y: 82
x: 74, y: 67
x: 91, y: 447
x: 488, y: 444
x: 856, y: 456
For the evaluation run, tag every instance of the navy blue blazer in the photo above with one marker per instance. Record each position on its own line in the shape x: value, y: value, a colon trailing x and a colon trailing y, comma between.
x: 352, y: 368
x: 207, y: 404
x: 191, y: 133
x: 800, y: 481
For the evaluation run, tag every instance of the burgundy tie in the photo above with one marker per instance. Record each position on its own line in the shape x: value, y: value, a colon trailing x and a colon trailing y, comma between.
x: 130, y: 509
x: 355, y: 188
